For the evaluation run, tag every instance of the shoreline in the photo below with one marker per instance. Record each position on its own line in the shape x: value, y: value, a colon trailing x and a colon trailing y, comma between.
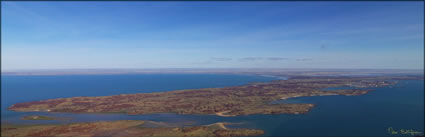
x: 224, y: 115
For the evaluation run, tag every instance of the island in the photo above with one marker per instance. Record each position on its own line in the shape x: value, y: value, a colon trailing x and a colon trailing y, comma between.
x: 253, y: 98
x: 38, y: 118
x: 120, y: 128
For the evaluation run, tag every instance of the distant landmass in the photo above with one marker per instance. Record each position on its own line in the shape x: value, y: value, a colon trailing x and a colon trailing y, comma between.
x: 257, y: 71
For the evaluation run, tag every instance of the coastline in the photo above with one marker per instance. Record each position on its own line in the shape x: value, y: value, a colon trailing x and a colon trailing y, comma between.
x: 224, y: 115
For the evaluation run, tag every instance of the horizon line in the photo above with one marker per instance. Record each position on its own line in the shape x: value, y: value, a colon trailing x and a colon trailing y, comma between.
x: 42, y: 69
x: 258, y: 71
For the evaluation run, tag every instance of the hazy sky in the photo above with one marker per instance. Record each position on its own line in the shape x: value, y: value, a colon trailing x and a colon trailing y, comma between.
x: 56, y: 35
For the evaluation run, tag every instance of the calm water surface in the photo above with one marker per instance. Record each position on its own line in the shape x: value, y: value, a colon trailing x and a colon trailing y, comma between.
x: 372, y: 114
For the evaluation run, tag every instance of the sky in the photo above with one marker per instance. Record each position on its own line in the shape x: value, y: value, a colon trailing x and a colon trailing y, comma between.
x: 81, y: 35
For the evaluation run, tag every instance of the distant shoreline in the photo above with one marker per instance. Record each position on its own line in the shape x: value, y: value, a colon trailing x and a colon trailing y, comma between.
x: 270, y: 72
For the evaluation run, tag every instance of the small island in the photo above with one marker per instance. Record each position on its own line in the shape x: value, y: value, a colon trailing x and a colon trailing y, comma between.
x: 248, y: 99
x: 38, y: 118
x: 128, y: 128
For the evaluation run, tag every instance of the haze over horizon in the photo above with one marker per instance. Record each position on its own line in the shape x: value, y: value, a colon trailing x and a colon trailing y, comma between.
x: 205, y: 69
x: 137, y: 35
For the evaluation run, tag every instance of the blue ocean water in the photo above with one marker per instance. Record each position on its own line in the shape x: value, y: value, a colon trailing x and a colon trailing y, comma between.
x: 366, y: 115
x: 400, y: 107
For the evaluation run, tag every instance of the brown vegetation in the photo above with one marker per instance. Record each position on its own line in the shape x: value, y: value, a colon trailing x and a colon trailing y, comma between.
x: 128, y: 128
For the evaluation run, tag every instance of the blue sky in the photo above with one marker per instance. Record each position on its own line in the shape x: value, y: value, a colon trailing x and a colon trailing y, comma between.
x: 64, y: 35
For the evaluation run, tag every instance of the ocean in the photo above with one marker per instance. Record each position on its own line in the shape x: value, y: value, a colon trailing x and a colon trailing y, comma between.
x: 398, y: 107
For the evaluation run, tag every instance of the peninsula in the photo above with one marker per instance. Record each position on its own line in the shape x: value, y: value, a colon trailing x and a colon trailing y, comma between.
x: 248, y: 99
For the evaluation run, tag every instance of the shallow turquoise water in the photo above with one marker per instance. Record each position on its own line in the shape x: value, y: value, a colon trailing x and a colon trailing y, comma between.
x: 367, y: 115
